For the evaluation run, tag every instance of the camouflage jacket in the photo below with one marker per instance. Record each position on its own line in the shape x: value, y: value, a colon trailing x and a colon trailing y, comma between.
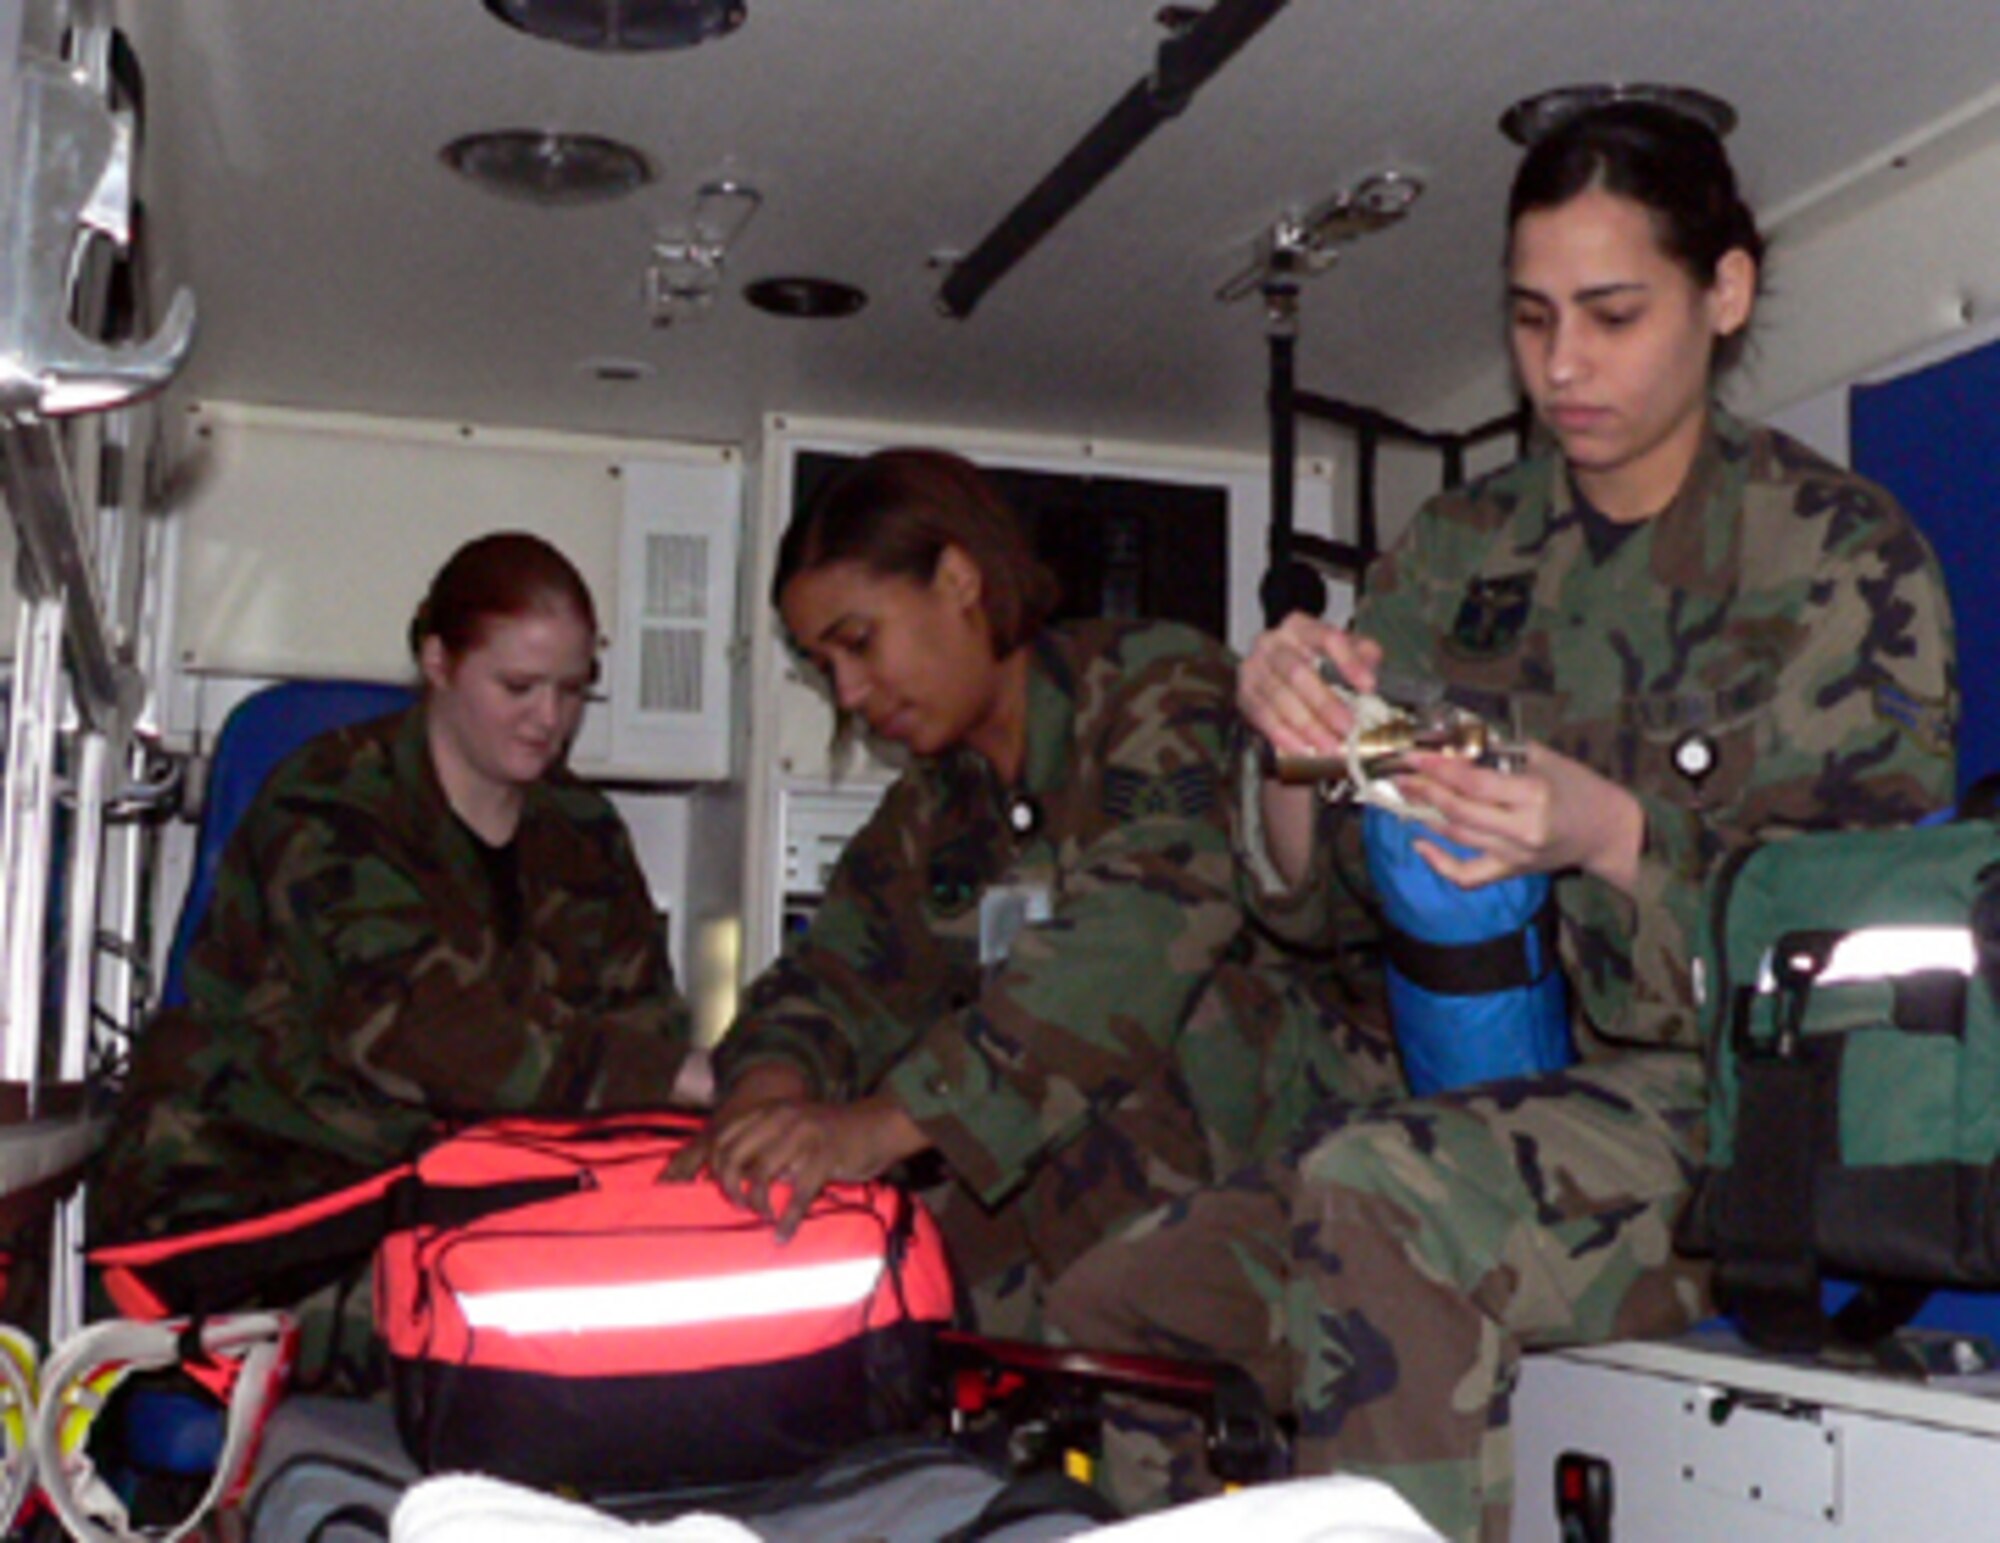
x: 1772, y: 652
x: 1128, y: 728
x: 351, y: 982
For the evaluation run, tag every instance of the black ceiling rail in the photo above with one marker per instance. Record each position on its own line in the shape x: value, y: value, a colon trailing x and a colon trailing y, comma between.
x: 1183, y: 65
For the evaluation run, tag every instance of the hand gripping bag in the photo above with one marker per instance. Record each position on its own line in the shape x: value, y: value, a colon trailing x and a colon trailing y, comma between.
x: 557, y: 1313
x: 1475, y: 990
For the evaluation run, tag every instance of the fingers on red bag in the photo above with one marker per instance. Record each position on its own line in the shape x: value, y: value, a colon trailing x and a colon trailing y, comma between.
x: 801, y: 1186
x: 795, y: 1213
x: 687, y: 1164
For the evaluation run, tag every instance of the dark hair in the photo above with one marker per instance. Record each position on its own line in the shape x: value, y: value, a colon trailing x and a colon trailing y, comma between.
x: 895, y: 512
x: 1670, y: 163
x: 509, y: 573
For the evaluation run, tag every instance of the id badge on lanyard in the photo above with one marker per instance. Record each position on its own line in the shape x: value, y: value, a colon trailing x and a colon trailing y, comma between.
x: 1004, y: 910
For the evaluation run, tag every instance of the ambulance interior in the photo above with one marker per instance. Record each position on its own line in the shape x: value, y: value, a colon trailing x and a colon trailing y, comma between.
x: 368, y: 279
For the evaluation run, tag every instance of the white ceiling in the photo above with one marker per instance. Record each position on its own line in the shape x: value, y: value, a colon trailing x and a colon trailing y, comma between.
x: 292, y: 180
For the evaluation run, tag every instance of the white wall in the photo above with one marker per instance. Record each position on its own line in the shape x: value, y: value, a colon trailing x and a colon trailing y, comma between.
x: 1897, y: 257
x: 1892, y: 265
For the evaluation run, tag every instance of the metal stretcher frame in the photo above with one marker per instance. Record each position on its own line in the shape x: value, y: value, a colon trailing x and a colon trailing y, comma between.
x: 1297, y: 557
x: 66, y: 153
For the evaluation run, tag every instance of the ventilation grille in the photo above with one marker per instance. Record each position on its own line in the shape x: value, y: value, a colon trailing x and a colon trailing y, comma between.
x: 672, y: 626
x: 676, y: 578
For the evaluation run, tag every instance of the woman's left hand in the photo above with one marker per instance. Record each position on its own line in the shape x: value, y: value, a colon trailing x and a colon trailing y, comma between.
x: 1550, y: 814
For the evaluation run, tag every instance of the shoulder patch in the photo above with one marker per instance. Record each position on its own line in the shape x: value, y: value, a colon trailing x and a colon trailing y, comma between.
x: 1491, y: 615
x: 1189, y: 793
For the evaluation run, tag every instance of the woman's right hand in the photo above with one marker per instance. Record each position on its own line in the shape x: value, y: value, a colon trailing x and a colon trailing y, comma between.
x: 1283, y: 695
x: 770, y: 1132
x: 772, y: 1086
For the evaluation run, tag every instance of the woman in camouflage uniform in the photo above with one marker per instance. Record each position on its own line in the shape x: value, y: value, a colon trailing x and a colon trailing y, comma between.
x: 1031, y: 961
x: 1709, y: 635
x: 418, y: 917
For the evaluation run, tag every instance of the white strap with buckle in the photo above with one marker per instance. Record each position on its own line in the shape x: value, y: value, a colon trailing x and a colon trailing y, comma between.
x: 81, y: 1376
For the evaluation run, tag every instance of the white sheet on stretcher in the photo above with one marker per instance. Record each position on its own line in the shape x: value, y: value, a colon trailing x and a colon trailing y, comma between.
x: 467, y: 1508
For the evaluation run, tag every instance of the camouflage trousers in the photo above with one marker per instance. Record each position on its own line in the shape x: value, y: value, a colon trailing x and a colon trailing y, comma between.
x: 1382, y: 1281
x: 1274, y: 1047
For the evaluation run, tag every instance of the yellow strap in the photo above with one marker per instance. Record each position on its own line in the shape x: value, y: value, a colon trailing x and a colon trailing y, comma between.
x: 18, y: 1374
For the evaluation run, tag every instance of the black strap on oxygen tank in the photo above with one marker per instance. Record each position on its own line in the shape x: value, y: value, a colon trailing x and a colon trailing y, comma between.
x: 1506, y: 963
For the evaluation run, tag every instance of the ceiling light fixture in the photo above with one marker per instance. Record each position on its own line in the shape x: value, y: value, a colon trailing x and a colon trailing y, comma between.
x: 685, y: 270
x: 805, y: 298
x: 1302, y: 245
x: 542, y: 167
x: 622, y: 26
x: 616, y: 371
x: 1532, y: 117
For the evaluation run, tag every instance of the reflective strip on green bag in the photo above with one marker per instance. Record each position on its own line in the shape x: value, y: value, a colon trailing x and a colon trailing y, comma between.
x: 1883, y: 953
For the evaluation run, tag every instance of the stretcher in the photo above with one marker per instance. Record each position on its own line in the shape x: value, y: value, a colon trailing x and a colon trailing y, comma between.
x: 1005, y: 1447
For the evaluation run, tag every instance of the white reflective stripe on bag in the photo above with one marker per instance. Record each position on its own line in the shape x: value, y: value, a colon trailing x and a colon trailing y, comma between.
x: 81, y: 1376
x: 1880, y: 953
x: 673, y: 1304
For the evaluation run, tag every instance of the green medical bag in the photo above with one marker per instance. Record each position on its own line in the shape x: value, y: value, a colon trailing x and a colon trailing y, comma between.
x: 1850, y: 989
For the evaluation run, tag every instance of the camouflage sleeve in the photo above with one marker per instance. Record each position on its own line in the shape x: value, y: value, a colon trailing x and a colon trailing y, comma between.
x: 1405, y: 589
x: 1334, y: 906
x: 341, y: 939
x: 819, y: 1007
x: 1089, y: 1004
x: 1857, y: 733
x: 623, y: 1024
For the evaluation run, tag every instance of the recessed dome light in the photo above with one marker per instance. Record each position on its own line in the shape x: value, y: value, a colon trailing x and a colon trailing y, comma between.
x: 622, y: 26
x: 616, y: 371
x: 809, y: 299
x: 1532, y: 117
x: 547, y: 168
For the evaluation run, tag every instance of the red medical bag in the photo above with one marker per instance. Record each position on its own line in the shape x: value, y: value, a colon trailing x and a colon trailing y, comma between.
x: 556, y: 1312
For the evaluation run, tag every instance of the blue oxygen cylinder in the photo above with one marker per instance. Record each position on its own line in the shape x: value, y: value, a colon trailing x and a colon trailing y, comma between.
x: 1475, y: 990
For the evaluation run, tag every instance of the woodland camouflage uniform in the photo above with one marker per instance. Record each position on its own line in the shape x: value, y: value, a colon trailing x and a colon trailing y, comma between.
x: 360, y: 974
x: 1134, y: 1045
x: 1772, y: 652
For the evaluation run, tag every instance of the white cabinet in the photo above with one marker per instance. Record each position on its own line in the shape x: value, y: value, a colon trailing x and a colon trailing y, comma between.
x: 305, y: 542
